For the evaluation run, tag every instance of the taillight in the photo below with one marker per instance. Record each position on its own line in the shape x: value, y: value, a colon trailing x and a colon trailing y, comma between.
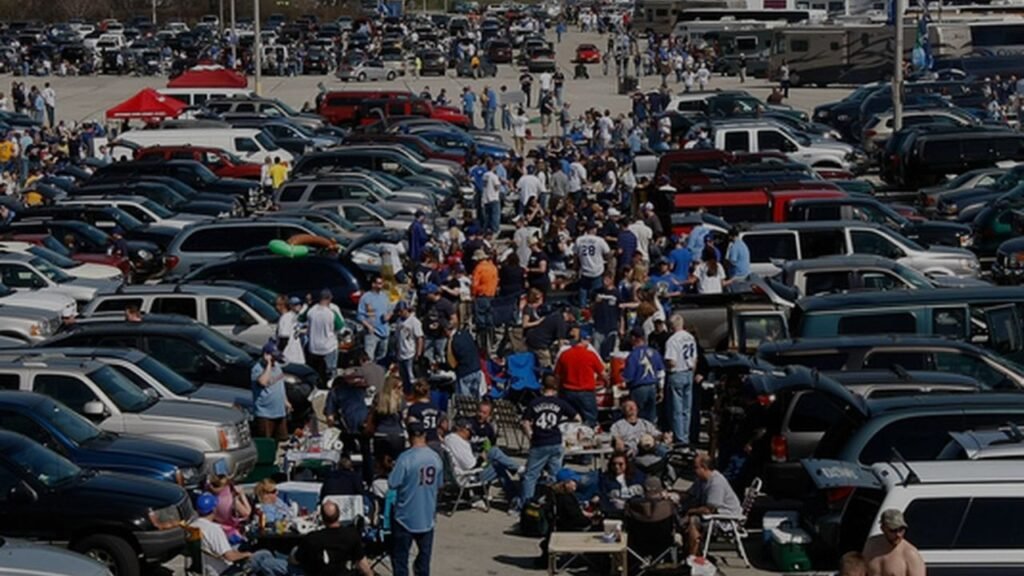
x: 837, y: 496
x: 765, y: 400
x: 780, y: 449
x: 355, y: 296
x: 869, y: 134
x: 171, y: 262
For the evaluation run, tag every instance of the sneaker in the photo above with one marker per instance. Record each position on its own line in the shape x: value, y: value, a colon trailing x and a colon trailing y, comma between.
x: 480, y: 505
x: 521, y: 470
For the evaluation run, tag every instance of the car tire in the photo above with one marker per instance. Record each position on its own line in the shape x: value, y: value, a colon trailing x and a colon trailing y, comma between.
x: 391, y: 76
x: 361, y: 77
x: 115, y: 553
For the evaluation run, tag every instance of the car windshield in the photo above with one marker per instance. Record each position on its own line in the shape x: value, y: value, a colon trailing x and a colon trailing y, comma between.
x: 381, y: 190
x: 50, y: 271
x: 385, y: 179
x: 266, y: 141
x: 916, y: 278
x: 287, y: 109
x: 380, y: 211
x: 205, y: 174
x: 126, y: 220
x: 169, y: 378
x: 92, y: 234
x: 216, y: 344
x: 1008, y: 181
x: 123, y: 392
x: 46, y: 466
x: 53, y: 244
x: 261, y: 307
x: 303, y: 130
x: 71, y: 424
x: 337, y: 222
x: 53, y: 257
x: 161, y: 212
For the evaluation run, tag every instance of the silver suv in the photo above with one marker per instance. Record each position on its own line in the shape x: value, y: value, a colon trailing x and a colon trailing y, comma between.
x: 235, y: 312
x: 114, y: 403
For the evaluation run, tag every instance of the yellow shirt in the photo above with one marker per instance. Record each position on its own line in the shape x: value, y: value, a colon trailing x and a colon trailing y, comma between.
x: 278, y: 174
x: 6, y: 151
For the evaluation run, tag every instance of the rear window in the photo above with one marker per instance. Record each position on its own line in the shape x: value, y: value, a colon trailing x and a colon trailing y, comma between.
x: 814, y: 412
x: 824, y: 361
x: 765, y: 247
x: 826, y: 282
x: 916, y: 438
x: 892, y: 323
x: 818, y: 243
x: 906, y: 360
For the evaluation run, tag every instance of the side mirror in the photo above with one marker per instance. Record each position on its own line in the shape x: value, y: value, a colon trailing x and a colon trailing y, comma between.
x: 94, y: 408
x: 151, y: 393
x: 23, y: 494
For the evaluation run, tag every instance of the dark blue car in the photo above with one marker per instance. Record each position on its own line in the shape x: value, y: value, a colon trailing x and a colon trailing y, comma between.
x: 62, y: 430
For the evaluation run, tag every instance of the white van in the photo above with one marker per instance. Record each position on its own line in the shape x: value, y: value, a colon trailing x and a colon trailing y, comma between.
x: 197, y: 96
x: 248, y: 143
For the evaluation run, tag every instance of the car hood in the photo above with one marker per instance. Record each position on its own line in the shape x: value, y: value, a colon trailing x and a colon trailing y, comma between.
x: 20, y: 558
x: 241, y: 397
x: 45, y: 299
x: 949, y: 252
x: 200, y: 411
x: 113, y: 448
x: 93, y: 271
x: 113, y: 495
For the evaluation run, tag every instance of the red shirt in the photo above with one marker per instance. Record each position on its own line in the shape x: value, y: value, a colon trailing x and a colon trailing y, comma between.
x: 578, y: 367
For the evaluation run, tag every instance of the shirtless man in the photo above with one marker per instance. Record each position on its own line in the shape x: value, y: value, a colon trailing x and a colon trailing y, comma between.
x: 889, y: 554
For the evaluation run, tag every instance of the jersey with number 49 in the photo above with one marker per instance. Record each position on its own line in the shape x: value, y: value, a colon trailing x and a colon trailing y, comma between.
x: 544, y: 414
x: 416, y: 478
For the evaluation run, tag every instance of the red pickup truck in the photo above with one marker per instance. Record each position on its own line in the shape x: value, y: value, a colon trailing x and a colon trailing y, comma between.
x: 220, y: 162
x: 747, y: 204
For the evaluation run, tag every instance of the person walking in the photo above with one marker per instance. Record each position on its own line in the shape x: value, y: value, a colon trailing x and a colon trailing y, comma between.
x: 889, y: 553
x: 680, y: 361
x: 324, y: 323
x: 50, y: 100
x: 743, y: 68
x: 541, y: 422
x: 491, y: 199
x: 644, y: 374
x: 784, y: 79
x: 518, y: 124
x: 374, y: 313
x: 416, y: 478
x: 490, y: 108
x: 592, y: 252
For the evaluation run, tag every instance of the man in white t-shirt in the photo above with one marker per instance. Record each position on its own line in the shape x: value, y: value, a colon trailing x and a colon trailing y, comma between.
x: 528, y: 187
x: 410, y: 343
x: 491, y: 199
x: 643, y: 235
x: 218, y: 555
x: 546, y: 80
x: 577, y: 176
x: 519, y: 121
x: 591, y: 251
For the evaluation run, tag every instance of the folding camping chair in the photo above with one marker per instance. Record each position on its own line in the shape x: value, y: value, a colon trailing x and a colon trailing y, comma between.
x: 732, y: 527
x: 465, y: 406
x: 650, y: 543
x: 377, y: 535
x: 507, y: 417
x: 464, y: 482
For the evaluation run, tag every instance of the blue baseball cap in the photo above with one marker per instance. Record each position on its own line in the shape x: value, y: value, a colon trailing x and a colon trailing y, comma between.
x: 206, y: 503
x: 566, y: 474
x: 431, y: 288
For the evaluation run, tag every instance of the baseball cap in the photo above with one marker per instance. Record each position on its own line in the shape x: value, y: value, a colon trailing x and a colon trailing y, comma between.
x: 206, y: 503
x: 637, y: 332
x: 893, y: 519
x: 567, y: 474
x: 271, y: 348
x: 326, y: 294
x: 648, y: 206
x: 431, y: 288
x: 294, y: 301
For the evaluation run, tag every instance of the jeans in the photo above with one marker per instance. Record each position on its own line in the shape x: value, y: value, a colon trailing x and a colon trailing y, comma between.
x: 489, y: 120
x: 492, y: 216
x: 402, y: 541
x: 326, y: 365
x: 585, y: 402
x: 470, y: 384
x: 506, y: 119
x: 680, y: 392
x: 587, y: 286
x: 436, y: 349
x: 539, y: 459
x: 51, y: 112
x: 376, y: 347
x: 262, y: 563
x: 646, y: 397
x: 405, y: 371
x: 500, y: 468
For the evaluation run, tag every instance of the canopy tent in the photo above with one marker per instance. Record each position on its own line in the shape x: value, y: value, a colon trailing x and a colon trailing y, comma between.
x: 148, y: 104
x: 209, y: 76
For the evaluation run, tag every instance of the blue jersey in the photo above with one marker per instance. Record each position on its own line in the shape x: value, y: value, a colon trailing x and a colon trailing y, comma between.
x: 429, y: 415
x: 545, y: 414
x: 643, y: 366
x: 738, y: 256
x: 416, y: 478
x: 681, y: 259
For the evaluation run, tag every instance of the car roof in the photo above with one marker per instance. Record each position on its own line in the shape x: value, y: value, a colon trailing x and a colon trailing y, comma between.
x: 850, y: 261
x: 948, y: 472
x: 869, y: 341
x: 946, y: 402
x: 869, y: 377
x: 812, y: 225
x: 129, y: 354
x: 196, y: 289
x: 962, y: 295
x: 23, y: 398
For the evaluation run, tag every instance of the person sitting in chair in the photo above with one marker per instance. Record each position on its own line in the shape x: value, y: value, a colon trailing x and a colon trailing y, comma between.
x: 568, y: 515
x: 617, y: 485
x: 713, y: 495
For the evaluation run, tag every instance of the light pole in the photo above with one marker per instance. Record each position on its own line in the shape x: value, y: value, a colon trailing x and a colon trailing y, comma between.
x: 154, y: 13
x: 897, y: 73
x: 234, y: 36
x: 257, y: 45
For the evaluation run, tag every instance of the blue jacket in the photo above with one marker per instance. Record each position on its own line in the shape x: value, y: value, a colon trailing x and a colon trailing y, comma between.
x: 643, y: 366
x: 418, y: 239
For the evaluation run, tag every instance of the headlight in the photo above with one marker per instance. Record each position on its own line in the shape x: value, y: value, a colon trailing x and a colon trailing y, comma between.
x: 821, y: 113
x: 229, y: 437
x: 969, y: 263
x: 966, y: 240
x: 165, y: 518
x: 843, y: 117
x: 144, y: 254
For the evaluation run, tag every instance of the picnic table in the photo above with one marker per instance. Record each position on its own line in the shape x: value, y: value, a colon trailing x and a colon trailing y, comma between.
x: 576, y: 544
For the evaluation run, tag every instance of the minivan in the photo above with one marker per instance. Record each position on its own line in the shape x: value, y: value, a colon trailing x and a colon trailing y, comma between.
x: 803, y: 240
x: 249, y: 144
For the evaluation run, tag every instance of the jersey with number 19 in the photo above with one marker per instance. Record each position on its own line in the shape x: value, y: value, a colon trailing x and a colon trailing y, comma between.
x: 416, y: 478
x: 545, y: 413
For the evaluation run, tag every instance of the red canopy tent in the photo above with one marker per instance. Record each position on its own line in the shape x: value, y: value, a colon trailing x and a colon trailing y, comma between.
x: 209, y: 77
x: 148, y: 104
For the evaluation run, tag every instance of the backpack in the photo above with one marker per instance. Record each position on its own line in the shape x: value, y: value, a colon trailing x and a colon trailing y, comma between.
x: 535, y: 518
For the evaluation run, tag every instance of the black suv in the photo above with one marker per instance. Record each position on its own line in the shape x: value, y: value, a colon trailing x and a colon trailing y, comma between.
x: 190, y: 349
x: 120, y: 520
x: 925, y: 158
x: 190, y: 172
x: 161, y: 193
